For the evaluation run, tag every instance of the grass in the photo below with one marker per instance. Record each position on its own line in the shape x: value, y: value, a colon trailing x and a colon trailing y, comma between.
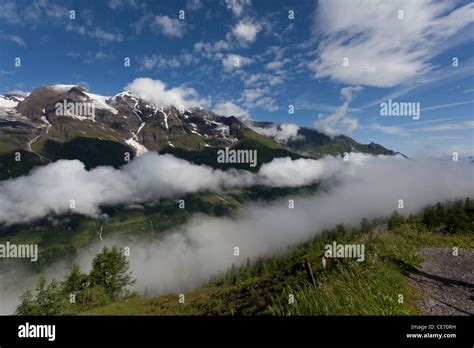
x: 344, y: 287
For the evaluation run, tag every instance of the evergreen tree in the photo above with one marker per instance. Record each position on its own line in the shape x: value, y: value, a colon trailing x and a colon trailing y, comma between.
x: 395, y: 220
x: 365, y: 225
x: 340, y: 230
x: 428, y: 217
x: 439, y: 214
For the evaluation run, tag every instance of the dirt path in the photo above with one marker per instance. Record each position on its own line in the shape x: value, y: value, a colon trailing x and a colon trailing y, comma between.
x: 447, y: 280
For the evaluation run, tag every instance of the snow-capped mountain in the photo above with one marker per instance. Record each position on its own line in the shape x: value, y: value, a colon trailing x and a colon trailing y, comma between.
x: 124, y: 118
x: 69, y: 121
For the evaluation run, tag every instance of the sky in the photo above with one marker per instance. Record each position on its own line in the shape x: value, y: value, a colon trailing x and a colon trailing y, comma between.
x: 334, y: 61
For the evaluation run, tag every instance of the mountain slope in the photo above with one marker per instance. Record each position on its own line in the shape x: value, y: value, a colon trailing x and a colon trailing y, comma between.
x: 343, y: 287
x: 47, y: 124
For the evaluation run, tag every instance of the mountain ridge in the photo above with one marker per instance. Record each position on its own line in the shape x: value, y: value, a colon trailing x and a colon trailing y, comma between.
x: 30, y: 123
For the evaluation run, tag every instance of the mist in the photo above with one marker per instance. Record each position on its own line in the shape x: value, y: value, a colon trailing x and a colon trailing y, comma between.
x: 66, y: 186
x: 364, y: 186
x: 193, y: 253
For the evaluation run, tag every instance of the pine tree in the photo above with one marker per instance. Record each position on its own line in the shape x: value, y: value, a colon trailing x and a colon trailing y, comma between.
x: 395, y: 220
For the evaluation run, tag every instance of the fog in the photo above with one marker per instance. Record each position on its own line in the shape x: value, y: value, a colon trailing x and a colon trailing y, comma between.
x: 66, y: 185
x: 364, y: 186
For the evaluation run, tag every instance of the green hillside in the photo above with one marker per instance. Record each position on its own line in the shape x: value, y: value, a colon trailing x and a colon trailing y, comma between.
x: 344, y: 287
x: 264, y: 286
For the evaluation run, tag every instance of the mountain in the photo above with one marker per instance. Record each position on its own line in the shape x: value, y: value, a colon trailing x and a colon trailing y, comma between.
x: 310, y: 142
x: 99, y: 130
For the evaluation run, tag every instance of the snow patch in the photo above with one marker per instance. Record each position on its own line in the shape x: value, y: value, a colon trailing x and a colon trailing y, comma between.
x: 166, y: 118
x: 99, y: 102
x: 61, y: 88
x: 7, y: 103
x: 133, y: 142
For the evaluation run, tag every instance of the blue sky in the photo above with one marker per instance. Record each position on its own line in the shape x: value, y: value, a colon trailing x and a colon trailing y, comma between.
x: 399, y: 50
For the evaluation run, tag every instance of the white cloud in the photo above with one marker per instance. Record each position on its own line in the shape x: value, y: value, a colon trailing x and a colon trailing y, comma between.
x: 262, y: 79
x: 441, y: 106
x: 235, y: 61
x: 339, y: 123
x: 281, y: 133
x: 246, y: 31
x: 14, y: 38
x: 388, y: 129
x: 157, y: 61
x: 109, y: 36
x: 266, y: 103
x: 154, y: 91
x: 275, y: 65
x: 448, y: 126
x: 147, y: 178
x: 170, y: 27
x: 194, y: 5
x: 237, y: 6
x: 259, y: 97
x: 121, y: 4
x: 382, y: 49
x: 226, y: 108
x: 33, y: 12
x: 212, y: 50
x: 113, y: 35
x: 152, y: 177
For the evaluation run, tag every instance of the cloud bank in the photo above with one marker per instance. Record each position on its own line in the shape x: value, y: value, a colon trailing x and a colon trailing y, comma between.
x: 370, y: 187
x: 364, y: 186
x: 150, y: 177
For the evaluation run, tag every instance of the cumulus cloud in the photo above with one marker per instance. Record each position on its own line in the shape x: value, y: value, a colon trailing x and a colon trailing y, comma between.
x: 226, y: 108
x: 339, y: 122
x: 194, y: 5
x: 281, y: 133
x: 384, y: 47
x: 170, y: 27
x: 238, y: 6
x: 235, y: 61
x: 212, y: 49
x: 112, y: 35
x: 259, y: 97
x: 246, y: 31
x: 155, y: 91
x: 157, y: 61
x: 121, y: 4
